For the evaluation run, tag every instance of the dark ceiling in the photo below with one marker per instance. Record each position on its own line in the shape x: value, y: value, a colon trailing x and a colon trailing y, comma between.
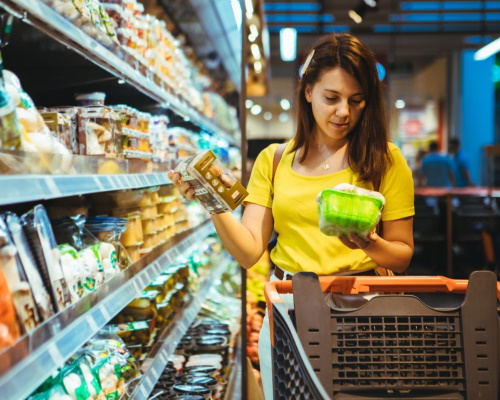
x: 408, y: 34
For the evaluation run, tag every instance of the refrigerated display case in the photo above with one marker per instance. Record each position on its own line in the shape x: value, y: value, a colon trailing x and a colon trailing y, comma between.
x: 32, y: 358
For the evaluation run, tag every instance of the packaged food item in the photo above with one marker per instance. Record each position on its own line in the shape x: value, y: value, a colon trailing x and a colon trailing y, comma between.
x: 10, y: 129
x: 134, y: 251
x: 63, y: 123
x: 347, y: 209
x: 214, y: 185
x: 9, y: 330
x: 99, y: 131
x: 138, y: 332
x: 18, y: 284
x: 40, y: 293
x: 43, y: 245
x: 74, y: 382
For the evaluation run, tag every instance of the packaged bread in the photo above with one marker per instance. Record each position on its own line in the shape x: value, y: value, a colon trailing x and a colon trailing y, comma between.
x: 347, y: 209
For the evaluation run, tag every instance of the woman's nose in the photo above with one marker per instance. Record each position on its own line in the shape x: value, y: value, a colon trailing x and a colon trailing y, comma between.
x: 342, y: 108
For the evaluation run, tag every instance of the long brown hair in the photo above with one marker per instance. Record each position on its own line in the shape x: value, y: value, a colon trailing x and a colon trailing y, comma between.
x: 367, y: 150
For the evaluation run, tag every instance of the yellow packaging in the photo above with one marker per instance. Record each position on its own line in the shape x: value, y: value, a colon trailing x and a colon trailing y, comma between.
x: 215, y: 187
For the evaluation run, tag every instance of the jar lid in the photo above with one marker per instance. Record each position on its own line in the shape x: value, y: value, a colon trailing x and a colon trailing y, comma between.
x: 187, y: 397
x: 201, y: 368
x: 201, y: 380
x: 211, y: 340
x: 188, y: 375
x: 218, y: 331
x: 191, y: 389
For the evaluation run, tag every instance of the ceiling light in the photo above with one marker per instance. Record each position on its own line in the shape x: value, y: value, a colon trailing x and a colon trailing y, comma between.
x: 399, y: 104
x: 285, y: 104
x: 256, y: 109
x: 257, y: 66
x: 488, y: 50
x: 249, y: 8
x: 288, y: 44
x: 254, y: 32
x: 371, y: 3
x: 356, y: 15
x: 254, y: 48
x: 268, y: 116
x: 284, y: 117
x: 248, y: 103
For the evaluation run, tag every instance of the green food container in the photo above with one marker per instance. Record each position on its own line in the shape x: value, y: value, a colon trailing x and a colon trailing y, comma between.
x: 342, y: 213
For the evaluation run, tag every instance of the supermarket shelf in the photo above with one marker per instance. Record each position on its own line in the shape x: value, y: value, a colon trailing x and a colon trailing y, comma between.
x: 154, y: 366
x: 33, y: 358
x: 47, y: 20
x: 23, y: 188
x: 234, y: 385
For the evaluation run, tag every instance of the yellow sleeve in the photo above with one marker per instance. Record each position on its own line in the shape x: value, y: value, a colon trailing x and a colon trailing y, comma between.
x: 260, y: 187
x: 397, y: 188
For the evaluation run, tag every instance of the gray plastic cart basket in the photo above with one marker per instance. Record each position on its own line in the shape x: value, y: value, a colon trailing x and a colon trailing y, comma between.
x: 393, y: 347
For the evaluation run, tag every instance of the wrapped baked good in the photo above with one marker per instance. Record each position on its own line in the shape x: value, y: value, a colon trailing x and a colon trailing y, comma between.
x: 347, y: 208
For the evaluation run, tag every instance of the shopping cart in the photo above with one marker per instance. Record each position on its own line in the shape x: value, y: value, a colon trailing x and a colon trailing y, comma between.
x: 394, y: 346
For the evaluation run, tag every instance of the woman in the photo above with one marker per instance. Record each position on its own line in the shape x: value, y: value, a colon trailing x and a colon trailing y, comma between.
x: 341, y: 137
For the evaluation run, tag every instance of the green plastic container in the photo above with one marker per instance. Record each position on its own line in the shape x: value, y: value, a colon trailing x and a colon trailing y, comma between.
x: 341, y: 213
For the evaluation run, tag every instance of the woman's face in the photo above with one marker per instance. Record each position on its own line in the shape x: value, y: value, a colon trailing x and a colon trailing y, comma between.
x: 337, y: 103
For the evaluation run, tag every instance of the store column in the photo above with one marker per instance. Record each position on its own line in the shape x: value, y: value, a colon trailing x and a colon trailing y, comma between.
x: 477, y: 111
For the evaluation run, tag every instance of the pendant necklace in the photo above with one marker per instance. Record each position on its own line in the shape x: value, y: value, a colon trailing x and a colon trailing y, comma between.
x: 326, y: 166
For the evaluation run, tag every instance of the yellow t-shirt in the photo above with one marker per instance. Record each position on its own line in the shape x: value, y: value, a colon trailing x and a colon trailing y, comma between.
x: 301, y: 246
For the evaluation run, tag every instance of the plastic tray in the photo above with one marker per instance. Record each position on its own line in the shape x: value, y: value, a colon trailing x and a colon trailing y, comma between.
x: 344, y: 212
x: 393, y: 347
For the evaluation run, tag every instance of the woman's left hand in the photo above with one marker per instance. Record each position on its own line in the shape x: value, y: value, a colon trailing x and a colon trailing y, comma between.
x: 354, y: 241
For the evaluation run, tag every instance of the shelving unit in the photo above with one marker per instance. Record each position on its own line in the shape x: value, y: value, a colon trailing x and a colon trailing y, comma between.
x: 154, y: 366
x: 35, y: 356
x: 45, y: 19
x: 25, y: 365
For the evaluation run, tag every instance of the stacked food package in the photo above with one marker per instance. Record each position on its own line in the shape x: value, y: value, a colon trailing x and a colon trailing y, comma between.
x: 146, y: 44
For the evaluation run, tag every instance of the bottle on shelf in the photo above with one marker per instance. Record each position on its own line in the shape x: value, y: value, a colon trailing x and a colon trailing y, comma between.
x: 10, y: 129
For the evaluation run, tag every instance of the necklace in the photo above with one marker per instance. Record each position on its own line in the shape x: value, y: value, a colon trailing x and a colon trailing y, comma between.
x: 326, y: 166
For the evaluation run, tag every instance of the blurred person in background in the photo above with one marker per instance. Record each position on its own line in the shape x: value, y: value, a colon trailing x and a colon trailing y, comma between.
x: 460, y: 164
x: 437, y: 169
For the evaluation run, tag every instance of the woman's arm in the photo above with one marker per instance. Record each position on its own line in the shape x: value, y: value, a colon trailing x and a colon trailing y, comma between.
x: 247, y: 240
x: 392, y: 251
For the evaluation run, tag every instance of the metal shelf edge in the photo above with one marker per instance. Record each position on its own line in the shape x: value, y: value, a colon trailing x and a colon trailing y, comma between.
x: 23, y: 188
x: 38, y: 365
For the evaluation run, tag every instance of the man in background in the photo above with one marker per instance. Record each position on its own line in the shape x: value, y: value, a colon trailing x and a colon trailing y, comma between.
x: 437, y: 169
x: 460, y: 164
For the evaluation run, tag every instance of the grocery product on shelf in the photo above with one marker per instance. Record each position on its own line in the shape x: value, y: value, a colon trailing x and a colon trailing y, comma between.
x: 10, y: 129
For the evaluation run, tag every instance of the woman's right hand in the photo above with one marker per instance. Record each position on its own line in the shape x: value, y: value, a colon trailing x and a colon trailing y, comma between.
x: 184, y: 187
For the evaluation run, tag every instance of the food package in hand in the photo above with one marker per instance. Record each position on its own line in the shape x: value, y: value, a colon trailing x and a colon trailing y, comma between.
x: 347, y: 208
x: 214, y: 186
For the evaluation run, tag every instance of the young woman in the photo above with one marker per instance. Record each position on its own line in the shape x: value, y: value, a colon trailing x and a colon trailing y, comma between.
x: 341, y: 137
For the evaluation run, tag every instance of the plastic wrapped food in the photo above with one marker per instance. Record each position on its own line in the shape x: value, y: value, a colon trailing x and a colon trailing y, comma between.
x: 9, y: 331
x: 42, y: 242
x: 40, y: 292
x: 18, y: 284
x: 347, y: 209
x: 214, y: 185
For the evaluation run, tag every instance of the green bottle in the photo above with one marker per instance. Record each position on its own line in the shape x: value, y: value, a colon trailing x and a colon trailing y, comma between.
x: 10, y: 129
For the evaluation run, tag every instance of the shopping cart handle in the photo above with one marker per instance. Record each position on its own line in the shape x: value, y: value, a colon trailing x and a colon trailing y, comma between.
x: 371, y: 284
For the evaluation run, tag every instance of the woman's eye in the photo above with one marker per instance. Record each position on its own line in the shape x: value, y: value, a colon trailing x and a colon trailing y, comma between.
x: 357, y: 101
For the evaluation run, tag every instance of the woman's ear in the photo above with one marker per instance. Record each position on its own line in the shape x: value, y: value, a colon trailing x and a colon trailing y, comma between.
x: 308, y: 93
